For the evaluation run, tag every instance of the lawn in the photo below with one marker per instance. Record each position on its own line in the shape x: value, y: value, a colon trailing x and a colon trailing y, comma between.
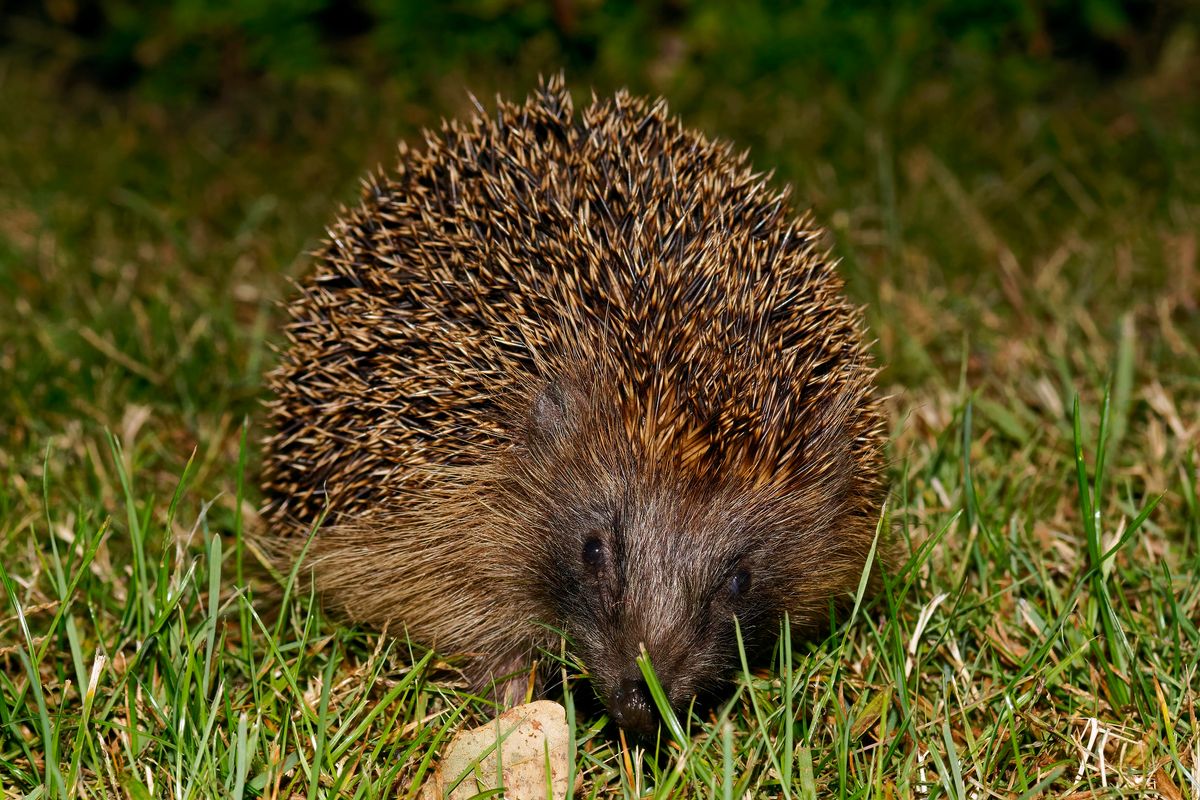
x: 1028, y: 253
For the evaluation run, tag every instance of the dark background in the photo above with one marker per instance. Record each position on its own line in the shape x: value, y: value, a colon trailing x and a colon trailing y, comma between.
x: 685, y: 48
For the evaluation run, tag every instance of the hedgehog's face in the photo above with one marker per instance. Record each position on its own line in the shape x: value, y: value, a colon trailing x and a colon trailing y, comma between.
x: 642, y: 559
x: 638, y: 563
x: 647, y: 580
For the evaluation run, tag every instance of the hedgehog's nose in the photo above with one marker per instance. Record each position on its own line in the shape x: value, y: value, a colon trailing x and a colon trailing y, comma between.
x: 633, y: 709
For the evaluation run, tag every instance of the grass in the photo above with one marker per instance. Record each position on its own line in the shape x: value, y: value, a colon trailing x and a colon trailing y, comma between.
x: 1029, y: 266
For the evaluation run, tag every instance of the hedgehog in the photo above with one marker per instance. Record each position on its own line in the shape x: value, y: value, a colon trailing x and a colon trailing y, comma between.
x: 578, y: 377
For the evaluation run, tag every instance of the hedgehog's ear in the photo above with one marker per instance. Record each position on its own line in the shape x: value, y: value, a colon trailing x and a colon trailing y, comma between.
x: 552, y: 413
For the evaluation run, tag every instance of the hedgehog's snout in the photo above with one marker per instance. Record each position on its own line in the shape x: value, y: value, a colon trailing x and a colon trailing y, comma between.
x: 632, y: 707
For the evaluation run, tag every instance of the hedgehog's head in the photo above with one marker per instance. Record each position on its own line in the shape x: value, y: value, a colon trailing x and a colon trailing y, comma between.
x: 640, y: 558
x: 642, y: 573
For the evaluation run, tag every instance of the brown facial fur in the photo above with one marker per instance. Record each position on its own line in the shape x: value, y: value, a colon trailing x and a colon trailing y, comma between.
x: 580, y: 370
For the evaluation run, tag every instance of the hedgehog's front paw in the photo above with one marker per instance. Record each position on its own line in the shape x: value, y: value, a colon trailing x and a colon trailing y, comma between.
x: 510, y: 680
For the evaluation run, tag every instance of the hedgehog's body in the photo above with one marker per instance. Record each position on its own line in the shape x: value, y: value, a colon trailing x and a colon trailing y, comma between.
x: 583, y: 373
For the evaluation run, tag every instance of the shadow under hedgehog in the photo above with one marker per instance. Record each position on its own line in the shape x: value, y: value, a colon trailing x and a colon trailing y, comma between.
x: 583, y: 371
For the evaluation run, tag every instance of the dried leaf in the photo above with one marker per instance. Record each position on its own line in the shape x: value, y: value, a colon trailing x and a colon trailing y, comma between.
x: 532, y: 743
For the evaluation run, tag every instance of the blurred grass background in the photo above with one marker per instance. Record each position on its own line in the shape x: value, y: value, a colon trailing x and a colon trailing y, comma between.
x: 1013, y: 189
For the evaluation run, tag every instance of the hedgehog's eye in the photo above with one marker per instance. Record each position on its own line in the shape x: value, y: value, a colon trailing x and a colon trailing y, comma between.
x: 739, y: 584
x: 593, y: 552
